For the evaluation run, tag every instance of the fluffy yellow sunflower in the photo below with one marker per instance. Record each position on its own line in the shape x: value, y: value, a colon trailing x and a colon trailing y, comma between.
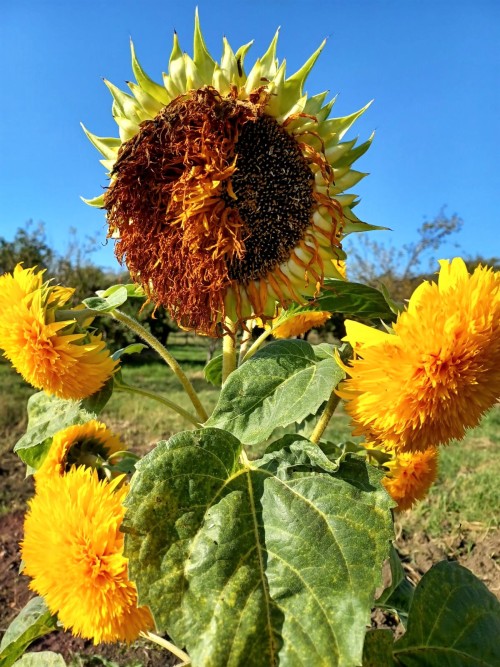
x: 56, y: 356
x: 73, y: 551
x: 91, y: 444
x: 438, y: 372
x: 299, y: 323
x: 227, y: 188
x: 410, y: 475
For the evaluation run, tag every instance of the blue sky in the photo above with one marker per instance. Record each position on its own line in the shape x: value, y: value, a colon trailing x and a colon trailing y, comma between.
x: 432, y: 68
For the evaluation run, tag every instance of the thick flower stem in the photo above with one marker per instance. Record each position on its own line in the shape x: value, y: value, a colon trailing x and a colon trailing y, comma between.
x: 170, y: 404
x: 324, y: 420
x: 168, y: 645
x: 138, y: 329
x: 253, y: 349
x: 229, y: 350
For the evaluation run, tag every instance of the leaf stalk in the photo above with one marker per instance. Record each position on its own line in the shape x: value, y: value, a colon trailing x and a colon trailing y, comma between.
x: 324, y: 420
x: 154, y: 343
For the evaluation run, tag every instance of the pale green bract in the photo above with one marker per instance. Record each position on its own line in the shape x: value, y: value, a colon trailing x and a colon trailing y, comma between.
x: 286, y: 98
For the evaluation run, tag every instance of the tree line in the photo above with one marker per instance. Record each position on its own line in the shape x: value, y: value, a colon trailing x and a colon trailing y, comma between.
x: 371, y: 261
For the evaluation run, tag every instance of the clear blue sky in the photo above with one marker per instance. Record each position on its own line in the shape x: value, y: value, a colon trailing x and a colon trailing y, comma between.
x: 432, y: 67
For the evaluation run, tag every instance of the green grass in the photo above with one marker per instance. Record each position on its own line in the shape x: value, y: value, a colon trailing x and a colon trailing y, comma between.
x: 14, y: 393
x: 466, y: 493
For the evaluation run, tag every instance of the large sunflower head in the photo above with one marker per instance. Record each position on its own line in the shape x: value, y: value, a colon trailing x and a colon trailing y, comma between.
x: 226, y: 192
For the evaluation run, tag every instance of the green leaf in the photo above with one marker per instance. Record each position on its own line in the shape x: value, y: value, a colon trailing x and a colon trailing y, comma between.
x: 255, y: 565
x: 46, y: 416
x: 41, y: 659
x: 33, y: 621
x: 377, y: 651
x: 95, y: 403
x: 306, y: 454
x: 398, y: 595
x: 213, y: 371
x: 133, y: 291
x: 133, y: 348
x: 109, y: 300
x: 397, y: 576
x: 340, y: 296
x: 280, y: 385
x: 454, y: 621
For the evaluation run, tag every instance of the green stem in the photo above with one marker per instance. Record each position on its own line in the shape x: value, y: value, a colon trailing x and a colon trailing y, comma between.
x: 170, y: 404
x: 168, y: 645
x: 138, y: 329
x: 324, y: 420
x: 245, y: 343
x: 229, y: 350
x: 253, y: 349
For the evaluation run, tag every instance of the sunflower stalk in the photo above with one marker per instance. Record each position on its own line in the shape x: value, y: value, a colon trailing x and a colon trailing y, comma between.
x: 146, y: 336
x: 324, y: 420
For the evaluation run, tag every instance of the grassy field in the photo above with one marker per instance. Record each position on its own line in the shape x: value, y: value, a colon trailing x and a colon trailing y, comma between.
x: 467, y: 491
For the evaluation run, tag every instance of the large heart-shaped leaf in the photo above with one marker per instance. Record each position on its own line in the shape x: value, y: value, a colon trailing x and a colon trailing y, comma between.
x: 454, y: 621
x: 256, y: 564
x: 280, y: 385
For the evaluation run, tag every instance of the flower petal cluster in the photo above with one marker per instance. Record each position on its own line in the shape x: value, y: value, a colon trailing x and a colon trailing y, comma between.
x: 89, y: 444
x: 56, y: 356
x: 300, y: 322
x: 437, y: 372
x: 73, y: 551
x: 227, y: 191
x: 410, y: 474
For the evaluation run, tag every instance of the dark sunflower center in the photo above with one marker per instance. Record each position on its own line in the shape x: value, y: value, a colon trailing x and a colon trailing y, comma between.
x: 273, y: 185
x: 89, y: 452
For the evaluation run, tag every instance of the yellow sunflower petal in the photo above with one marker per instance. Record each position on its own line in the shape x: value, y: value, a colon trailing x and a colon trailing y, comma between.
x: 73, y: 552
x: 361, y: 336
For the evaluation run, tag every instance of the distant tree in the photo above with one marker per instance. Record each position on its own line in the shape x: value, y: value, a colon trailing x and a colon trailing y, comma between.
x: 400, y: 270
x: 29, y: 246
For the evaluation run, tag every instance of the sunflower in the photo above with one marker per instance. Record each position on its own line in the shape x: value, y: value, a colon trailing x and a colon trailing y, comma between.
x: 91, y: 444
x: 298, y: 323
x: 56, y: 356
x: 410, y: 474
x: 73, y: 551
x: 438, y: 371
x: 227, y: 188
